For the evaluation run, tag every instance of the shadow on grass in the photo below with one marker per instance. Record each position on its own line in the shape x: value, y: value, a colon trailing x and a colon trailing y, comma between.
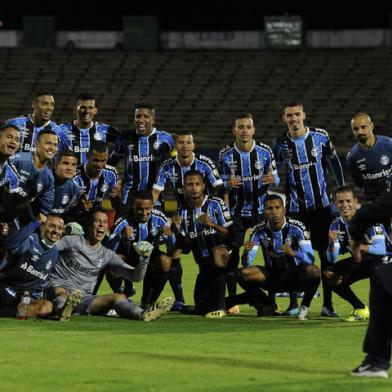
x: 173, y: 323
x: 237, y: 363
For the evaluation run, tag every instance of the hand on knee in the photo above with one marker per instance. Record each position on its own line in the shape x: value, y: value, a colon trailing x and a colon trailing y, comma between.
x: 312, y: 272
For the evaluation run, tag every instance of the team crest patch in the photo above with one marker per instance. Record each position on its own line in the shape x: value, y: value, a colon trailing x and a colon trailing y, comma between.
x: 65, y: 199
x: 173, y: 177
x: 156, y: 144
x: 233, y: 166
x: 98, y: 137
x: 384, y: 160
x: 71, y: 136
x: 314, y: 152
x: 48, y: 265
x: 24, y: 133
x: 259, y: 165
x: 39, y: 187
x: 100, y: 262
x: 226, y: 214
x: 104, y: 188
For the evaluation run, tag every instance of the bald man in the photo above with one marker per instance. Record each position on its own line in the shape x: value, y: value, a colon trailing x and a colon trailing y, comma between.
x: 370, y: 160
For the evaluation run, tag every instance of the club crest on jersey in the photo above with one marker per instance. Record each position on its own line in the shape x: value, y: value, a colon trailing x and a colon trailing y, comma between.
x: 156, y: 144
x: 100, y: 262
x: 226, y: 214
x: 98, y: 136
x: 384, y: 160
x: 173, y: 177
x: 65, y: 199
x: 71, y: 136
x: 233, y: 166
x: 48, y: 265
x: 24, y: 133
x: 39, y: 187
x: 259, y: 165
x: 315, y: 152
x: 104, y: 188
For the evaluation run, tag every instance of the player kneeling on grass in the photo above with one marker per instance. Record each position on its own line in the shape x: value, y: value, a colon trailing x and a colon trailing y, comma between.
x: 143, y: 223
x: 202, y: 227
x: 342, y: 274
x: 28, y: 259
x: 289, y: 259
x: 82, y: 258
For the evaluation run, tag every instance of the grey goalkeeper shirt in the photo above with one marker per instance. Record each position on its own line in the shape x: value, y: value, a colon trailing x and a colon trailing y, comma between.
x: 80, y: 264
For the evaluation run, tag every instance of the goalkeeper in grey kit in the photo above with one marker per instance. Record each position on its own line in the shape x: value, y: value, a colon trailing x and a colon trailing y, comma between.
x: 82, y: 258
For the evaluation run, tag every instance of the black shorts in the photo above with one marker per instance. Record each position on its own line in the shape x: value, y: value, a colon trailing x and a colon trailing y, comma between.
x: 290, y: 279
x: 353, y: 271
x: 239, y: 227
x: 317, y: 222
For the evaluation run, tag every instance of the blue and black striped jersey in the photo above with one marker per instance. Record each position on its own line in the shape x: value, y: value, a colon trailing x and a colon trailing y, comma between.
x: 293, y: 233
x: 375, y: 234
x: 80, y: 138
x: 172, y: 171
x: 372, y: 168
x: 305, y: 159
x: 249, y: 167
x: 95, y: 189
x: 201, y: 237
x: 29, y: 132
x: 151, y: 231
x: 143, y: 156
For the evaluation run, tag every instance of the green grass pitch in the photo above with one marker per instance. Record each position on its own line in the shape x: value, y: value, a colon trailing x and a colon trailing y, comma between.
x: 186, y: 353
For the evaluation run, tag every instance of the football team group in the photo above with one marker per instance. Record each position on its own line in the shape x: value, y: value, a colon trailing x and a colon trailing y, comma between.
x: 58, y: 242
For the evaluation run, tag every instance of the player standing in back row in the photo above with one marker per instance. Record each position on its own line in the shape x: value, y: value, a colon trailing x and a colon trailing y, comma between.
x: 247, y: 169
x: 304, y: 151
x: 144, y: 149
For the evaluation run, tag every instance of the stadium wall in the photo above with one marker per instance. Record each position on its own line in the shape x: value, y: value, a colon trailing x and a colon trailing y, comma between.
x: 209, y: 40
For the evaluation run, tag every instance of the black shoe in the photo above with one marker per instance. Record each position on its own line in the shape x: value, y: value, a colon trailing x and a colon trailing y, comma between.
x: 267, y: 311
x: 369, y: 370
x: 188, y: 309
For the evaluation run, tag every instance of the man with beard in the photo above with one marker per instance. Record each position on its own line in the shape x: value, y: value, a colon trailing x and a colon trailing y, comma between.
x: 82, y: 131
x: 370, y: 160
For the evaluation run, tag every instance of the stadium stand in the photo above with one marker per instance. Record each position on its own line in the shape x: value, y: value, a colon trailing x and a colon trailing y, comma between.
x: 202, y: 90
